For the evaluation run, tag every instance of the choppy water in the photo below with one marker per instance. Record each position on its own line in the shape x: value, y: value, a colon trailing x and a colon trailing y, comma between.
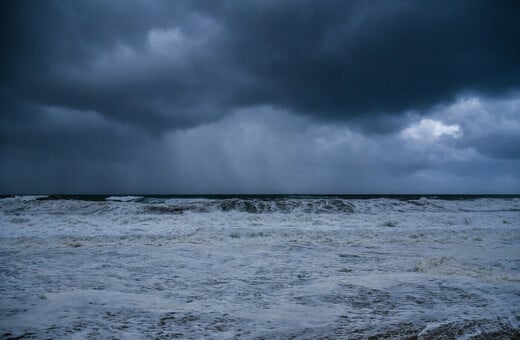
x: 253, y: 267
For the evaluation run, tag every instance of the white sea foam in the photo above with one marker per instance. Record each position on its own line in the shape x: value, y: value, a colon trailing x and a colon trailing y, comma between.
x: 123, y: 198
x: 23, y: 198
x: 249, y: 267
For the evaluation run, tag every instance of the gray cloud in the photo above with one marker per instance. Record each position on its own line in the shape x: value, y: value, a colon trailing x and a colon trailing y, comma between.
x: 490, y: 126
x: 167, y: 65
x: 354, y: 59
x: 261, y: 150
x: 269, y: 96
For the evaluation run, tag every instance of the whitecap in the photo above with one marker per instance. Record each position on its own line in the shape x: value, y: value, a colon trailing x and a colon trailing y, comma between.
x: 123, y: 198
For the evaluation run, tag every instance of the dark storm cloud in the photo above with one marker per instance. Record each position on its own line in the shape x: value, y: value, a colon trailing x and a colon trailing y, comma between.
x: 50, y: 47
x: 500, y: 146
x: 258, y: 96
x: 359, y: 58
x: 71, y: 135
x: 164, y: 64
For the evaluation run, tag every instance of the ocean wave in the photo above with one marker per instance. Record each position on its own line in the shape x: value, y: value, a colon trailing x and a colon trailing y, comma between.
x: 124, y: 198
x: 253, y: 206
x: 23, y: 198
x: 287, y: 206
x: 326, y: 205
x: 274, y: 267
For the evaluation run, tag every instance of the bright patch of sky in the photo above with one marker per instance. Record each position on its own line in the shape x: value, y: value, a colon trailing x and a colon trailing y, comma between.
x: 430, y: 130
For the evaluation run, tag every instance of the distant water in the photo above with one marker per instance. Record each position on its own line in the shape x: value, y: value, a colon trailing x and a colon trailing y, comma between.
x: 260, y: 267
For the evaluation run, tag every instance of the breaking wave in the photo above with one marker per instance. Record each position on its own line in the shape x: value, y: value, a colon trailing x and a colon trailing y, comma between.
x: 318, y: 205
x: 270, y: 204
x: 256, y: 206
x: 124, y: 198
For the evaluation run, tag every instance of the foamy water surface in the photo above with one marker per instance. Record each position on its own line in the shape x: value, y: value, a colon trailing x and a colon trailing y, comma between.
x: 252, y: 267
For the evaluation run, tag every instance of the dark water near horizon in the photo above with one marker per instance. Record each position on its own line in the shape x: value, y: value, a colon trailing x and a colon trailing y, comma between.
x: 260, y: 266
x: 101, y: 197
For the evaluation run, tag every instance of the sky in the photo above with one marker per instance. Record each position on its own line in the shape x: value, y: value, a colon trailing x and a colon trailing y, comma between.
x: 271, y: 96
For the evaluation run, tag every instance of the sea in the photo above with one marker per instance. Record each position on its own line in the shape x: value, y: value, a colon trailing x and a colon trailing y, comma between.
x: 260, y: 267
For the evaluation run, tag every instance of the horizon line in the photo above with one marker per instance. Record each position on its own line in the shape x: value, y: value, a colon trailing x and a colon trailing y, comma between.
x: 2, y: 195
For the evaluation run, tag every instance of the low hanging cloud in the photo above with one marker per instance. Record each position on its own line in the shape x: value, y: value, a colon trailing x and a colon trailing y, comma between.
x: 490, y: 126
x: 261, y: 150
x: 289, y: 153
